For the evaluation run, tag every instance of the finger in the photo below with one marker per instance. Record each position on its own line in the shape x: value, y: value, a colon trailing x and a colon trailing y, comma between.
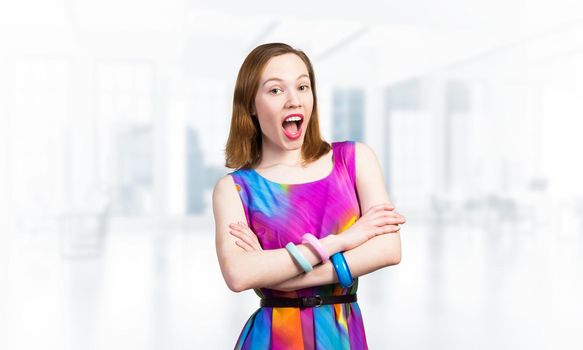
x: 382, y: 206
x: 245, y: 237
x: 385, y: 220
x: 251, y: 239
x: 244, y: 228
x: 237, y: 233
x: 391, y: 228
x: 250, y: 233
x: 378, y: 210
x: 243, y: 245
x: 392, y: 215
x: 400, y: 215
x: 239, y: 227
x: 239, y: 224
x: 387, y: 229
x: 398, y: 219
x: 385, y: 223
x: 386, y: 213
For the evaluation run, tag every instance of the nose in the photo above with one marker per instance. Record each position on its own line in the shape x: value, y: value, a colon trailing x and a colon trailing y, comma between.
x: 293, y: 99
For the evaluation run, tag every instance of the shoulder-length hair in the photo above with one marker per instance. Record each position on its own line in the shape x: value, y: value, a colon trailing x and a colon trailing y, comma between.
x: 243, y: 149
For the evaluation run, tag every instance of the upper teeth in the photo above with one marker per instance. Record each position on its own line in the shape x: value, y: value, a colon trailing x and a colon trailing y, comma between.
x: 293, y: 119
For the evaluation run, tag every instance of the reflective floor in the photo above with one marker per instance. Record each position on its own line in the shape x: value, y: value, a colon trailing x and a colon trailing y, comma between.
x: 456, y: 288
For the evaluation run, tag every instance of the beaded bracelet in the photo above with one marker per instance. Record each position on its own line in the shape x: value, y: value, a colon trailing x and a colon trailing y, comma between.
x: 342, y: 270
x: 299, y: 257
x: 317, y: 245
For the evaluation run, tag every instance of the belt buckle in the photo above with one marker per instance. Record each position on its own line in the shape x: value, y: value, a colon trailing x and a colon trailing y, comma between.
x: 315, y: 301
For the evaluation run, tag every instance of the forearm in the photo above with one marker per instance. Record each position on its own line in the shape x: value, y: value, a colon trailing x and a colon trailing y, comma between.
x: 260, y: 269
x: 376, y: 253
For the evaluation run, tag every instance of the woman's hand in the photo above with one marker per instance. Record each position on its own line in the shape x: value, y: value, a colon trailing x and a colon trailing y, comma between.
x: 247, y: 238
x: 378, y: 220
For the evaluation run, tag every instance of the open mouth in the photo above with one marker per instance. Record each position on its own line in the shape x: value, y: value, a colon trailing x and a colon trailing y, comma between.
x: 293, y: 126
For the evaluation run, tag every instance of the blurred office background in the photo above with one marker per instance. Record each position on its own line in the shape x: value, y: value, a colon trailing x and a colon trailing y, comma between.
x: 113, y: 120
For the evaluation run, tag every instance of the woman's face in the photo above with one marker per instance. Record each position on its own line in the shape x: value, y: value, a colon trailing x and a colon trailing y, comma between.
x: 284, y: 92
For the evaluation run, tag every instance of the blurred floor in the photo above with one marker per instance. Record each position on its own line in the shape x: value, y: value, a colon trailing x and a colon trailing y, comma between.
x: 456, y: 288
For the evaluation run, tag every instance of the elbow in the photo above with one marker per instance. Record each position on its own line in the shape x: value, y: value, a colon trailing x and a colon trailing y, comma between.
x: 393, y: 257
x: 234, y: 281
x: 396, y: 258
x: 235, y: 286
x: 394, y: 252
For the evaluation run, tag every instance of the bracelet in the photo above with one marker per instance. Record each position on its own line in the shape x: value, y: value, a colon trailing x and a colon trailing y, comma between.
x: 342, y: 270
x: 317, y: 245
x: 299, y: 257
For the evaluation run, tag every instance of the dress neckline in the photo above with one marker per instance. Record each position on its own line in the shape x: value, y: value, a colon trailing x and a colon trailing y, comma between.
x: 303, y: 183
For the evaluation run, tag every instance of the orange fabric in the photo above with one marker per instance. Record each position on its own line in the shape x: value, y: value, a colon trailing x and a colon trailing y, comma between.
x: 287, y: 328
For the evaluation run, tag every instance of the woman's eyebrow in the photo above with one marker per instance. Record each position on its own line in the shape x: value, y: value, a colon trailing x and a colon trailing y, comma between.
x: 279, y: 79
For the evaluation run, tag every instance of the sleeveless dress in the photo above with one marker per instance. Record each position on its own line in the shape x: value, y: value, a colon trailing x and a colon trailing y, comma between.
x: 280, y: 213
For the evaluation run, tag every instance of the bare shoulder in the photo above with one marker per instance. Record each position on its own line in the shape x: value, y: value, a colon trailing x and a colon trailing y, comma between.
x: 224, y: 184
x: 227, y: 205
x: 364, y: 154
x: 224, y: 188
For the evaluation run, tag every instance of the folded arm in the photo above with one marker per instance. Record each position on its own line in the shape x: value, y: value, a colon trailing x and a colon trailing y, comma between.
x: 377, y: 252
x: 253, y: 269
x: 246, y: 267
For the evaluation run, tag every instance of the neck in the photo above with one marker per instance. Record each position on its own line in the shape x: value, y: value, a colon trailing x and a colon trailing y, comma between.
x: 276, y: 155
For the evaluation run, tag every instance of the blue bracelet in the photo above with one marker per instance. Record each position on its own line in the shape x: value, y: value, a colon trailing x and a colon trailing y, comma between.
x: 299, y: 257
x: 342, y: 270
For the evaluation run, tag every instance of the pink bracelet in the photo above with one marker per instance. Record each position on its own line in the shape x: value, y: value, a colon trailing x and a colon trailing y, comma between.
x: 315, y: 243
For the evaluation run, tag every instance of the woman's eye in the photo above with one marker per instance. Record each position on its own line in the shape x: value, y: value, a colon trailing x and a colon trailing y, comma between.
x: 305, y: 87
x: 274, y: 90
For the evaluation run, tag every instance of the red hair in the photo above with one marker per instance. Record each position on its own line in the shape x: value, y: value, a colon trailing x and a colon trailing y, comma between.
x: 243, y: 149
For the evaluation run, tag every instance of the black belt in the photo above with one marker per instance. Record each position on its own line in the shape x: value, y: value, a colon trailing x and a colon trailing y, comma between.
x: 313, y: 301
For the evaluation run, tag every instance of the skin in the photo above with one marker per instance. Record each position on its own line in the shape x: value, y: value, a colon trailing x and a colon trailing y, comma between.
x: 371, y: 243
x: 289, y: 93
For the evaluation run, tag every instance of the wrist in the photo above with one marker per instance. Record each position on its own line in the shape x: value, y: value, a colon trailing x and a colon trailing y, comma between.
x: 333, y: 244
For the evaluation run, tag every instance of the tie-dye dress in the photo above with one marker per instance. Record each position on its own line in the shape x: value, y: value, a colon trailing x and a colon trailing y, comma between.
x: 280, y: 213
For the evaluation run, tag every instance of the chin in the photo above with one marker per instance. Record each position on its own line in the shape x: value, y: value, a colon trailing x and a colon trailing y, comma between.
x: 294, y: 144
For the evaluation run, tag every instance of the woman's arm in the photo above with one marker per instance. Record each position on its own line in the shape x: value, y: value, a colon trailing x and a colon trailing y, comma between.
x: 253, y: 269
x: 249, y: 268
x: 383, y: 250
x: 366, y: 258
x: 378, y: 252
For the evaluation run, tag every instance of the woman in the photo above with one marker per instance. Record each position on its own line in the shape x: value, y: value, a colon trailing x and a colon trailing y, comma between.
x: 289, y: 182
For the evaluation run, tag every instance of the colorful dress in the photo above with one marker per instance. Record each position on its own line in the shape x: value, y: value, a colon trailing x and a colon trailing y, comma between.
x: 280, y: 213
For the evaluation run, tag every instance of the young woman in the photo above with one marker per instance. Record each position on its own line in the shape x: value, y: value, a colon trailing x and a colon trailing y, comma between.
x: 300, y: 219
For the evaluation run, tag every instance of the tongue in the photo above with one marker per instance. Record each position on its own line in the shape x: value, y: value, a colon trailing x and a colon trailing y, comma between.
x: 291, y: 127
